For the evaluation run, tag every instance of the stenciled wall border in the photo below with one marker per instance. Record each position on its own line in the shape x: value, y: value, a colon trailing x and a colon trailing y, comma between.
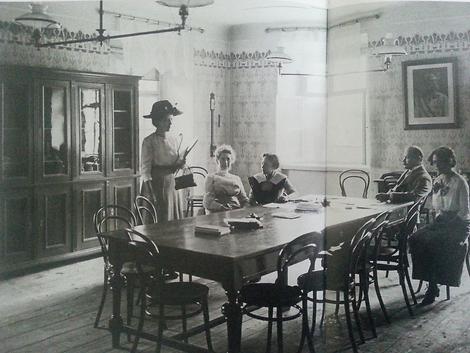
x: 430, y: 43
x: 243, y: 60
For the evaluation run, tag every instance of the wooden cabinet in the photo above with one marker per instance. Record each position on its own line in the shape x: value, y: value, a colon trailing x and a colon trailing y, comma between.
x: 68, y: 145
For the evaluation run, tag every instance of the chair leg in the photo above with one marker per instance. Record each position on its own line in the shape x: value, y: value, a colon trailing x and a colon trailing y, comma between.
x: 467, y: 260
x: 130, y: 302
x: 379, y: 296
x: 205, y: 313
x: 349, y: 323
x: 420, y: 285
x: 447, y: 293
x: 103, y: 299
x: 357, y: 319
x: 161, y: 315
x: 280, y: 343
x: 140, y: 326
x: 270, y: 329
x: 184, y: 323
x: 405, y: 295
x: 369, y: 311
x: 337, y: 303
x: 322, y: 320
x: 410, y: 286
x: 305, y: 328
x: 314, y: 314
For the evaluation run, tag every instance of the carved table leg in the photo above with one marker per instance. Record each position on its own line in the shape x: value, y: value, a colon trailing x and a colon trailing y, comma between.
x: 115, y: 323
x: 232, y: 311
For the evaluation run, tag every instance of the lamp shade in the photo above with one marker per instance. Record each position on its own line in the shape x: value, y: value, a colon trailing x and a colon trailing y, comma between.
x: 187, y: 3
x: 38, y: 18
x: 279, y: 56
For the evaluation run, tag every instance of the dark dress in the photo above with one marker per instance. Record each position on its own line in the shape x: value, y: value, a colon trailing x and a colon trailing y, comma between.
x: 265, y: 191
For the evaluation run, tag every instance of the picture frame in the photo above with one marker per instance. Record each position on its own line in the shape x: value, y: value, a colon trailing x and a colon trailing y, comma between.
x: 430, y: 89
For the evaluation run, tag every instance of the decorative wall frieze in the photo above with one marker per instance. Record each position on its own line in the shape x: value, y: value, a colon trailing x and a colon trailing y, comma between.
x: 12, y: 33
x: 430, y: 43
x: 243, y: 60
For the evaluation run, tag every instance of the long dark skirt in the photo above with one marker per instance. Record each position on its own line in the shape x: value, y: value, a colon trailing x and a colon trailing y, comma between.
x: 438, y: 251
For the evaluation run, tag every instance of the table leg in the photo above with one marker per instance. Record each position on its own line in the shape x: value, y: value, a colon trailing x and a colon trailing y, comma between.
x: 115, y: 323
x: 233, y: 313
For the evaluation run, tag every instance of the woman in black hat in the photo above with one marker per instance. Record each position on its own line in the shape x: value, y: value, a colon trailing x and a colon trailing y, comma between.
x: 160, y: 159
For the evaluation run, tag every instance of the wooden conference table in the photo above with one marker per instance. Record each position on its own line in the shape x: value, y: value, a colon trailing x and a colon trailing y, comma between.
x: 234, y: 259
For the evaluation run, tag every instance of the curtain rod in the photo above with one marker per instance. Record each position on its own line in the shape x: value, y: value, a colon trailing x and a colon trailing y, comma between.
x: 149, y: 20
x: 356, y: 20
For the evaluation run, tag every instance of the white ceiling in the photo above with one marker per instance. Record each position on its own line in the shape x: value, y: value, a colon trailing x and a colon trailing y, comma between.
x: 222, y: 12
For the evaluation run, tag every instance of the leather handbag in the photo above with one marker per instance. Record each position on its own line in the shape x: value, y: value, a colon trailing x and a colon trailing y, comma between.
x: 186, y: 180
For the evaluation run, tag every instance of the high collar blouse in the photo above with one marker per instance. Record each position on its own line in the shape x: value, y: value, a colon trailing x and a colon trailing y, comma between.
x: 451, y: 194
x: 158, y: 150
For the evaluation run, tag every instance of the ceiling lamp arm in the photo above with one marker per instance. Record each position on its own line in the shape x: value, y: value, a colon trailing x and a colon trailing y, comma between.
x: 183, y: 12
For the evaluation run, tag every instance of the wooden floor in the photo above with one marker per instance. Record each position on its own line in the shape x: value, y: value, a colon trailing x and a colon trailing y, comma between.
x: 54, y: 310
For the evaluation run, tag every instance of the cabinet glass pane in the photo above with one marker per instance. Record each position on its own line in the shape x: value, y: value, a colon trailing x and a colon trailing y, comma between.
x: 90, y: 130
x: 15, y: 131
x: 55, y: 131
x: 122, y: 144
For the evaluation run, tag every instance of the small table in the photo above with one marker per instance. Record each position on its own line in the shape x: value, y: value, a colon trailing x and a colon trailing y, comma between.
x: 234, y: 259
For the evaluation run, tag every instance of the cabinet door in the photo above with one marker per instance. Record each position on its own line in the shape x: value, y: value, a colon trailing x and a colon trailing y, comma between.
x: 88, y: 198
x: 122, y: 192
x: 89, y: 124
x: 121, y: 146
x: 53, y: 103
x: 15, y: 131
x: 53, y: 212
x: 16, y: 242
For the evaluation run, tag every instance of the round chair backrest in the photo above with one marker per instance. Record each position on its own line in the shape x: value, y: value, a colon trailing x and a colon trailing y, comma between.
x: 354, y: 174
x: 145, y: 210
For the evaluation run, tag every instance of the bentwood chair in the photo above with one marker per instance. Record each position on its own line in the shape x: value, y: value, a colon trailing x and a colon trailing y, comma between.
x: 354, y: 174
x: 145, y: 210
x: 108, y: 218
x: 279, y: 295
x: 342, y: 277
x: 163, y: 294
x: 192, y: 201
x: 395, y: 258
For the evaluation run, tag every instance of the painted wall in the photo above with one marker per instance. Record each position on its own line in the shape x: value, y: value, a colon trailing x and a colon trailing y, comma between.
x: 427, y: 32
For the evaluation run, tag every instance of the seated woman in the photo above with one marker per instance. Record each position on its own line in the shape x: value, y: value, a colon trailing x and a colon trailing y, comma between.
x: 270, y: 185
x: 224, y: 191
x: 438, y: 250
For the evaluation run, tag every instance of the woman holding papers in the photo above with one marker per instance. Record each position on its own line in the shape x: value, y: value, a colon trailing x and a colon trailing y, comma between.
x: 270, y: 185
x: 161, y: 158
x: 224, y: 191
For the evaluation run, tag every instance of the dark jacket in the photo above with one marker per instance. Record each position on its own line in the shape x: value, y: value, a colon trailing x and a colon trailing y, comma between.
x: 411, y: 186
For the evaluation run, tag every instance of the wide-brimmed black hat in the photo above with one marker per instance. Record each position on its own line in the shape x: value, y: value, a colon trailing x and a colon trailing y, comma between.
x: 163, y: 107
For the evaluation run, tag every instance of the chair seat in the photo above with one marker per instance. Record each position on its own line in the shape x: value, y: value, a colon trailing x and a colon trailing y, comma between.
x: 130, y: 268
x: 179, y: 293
x: 270, y: 295
x: 317, y: 281
x: 387, y: 251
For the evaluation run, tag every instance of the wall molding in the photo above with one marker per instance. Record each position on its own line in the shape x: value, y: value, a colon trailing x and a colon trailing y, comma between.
x: 243, y: 60
x: 430, y: 43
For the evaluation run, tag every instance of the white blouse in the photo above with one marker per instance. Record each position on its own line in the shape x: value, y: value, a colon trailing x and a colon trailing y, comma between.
x: 223, y: 188
x: 158, y: 150
x: 451, y: 193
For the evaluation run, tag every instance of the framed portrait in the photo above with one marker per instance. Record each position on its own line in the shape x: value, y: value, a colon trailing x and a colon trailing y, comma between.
x: 430, y: 88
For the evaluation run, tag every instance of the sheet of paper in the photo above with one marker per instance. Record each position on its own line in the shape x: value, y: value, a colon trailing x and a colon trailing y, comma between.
x: 286, y: 215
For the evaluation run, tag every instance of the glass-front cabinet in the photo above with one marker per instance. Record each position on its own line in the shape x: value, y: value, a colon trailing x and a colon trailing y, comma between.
x: 67, y: 147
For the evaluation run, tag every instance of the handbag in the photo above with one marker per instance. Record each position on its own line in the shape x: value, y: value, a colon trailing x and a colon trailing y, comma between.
x: 186, y: 180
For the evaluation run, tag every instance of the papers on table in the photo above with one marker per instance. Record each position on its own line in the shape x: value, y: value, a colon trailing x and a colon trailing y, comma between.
x: 286, y: 215
x: 309, y: 206
x: 208, y: 229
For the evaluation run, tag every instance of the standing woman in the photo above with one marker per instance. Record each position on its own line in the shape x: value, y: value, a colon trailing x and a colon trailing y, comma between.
x: 160, y: 159
x: 438, y: 250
